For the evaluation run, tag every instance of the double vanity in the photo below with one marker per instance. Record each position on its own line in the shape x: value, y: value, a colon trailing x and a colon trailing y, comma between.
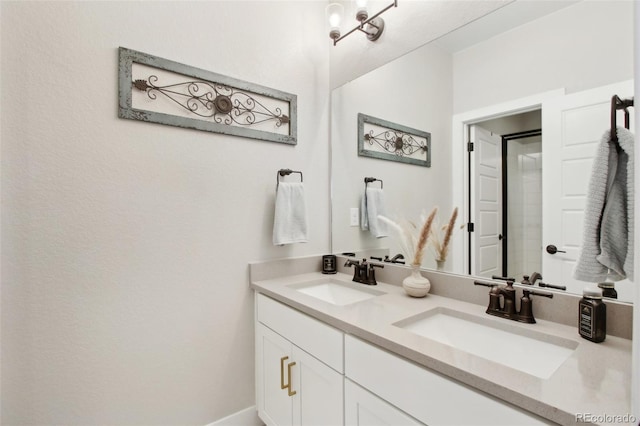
x: 330, y: 351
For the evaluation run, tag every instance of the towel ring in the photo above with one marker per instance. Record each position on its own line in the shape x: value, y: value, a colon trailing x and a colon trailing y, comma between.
x: 619, y: 104
x: 368, y: 180
x: 286, y: 172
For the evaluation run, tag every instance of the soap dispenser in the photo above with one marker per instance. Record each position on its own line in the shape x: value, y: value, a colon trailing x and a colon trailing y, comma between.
x: 592, y: 315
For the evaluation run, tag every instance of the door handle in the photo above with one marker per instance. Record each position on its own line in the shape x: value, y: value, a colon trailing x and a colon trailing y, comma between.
x: 282, y: 360
x: 289, y: 391
x: 551, y: 249
x: 286, y: 386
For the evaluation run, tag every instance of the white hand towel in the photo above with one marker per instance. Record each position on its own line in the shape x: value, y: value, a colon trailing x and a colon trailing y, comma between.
x: 607, y: 247
x: 373, y: 205
x: 290, y: 220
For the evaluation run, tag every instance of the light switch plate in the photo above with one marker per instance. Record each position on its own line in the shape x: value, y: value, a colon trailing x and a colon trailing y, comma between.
x: 354, y: 216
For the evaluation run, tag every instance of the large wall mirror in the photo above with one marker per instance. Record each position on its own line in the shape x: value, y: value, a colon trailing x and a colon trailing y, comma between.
x: 526, y: 97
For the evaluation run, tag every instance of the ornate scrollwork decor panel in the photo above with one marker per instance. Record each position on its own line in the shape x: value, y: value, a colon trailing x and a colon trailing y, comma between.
x: 162, y: 91
x: 385, y: 140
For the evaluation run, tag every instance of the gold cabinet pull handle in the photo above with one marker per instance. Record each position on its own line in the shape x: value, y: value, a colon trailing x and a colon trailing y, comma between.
x: 282, y: 360
x: 291, y: 364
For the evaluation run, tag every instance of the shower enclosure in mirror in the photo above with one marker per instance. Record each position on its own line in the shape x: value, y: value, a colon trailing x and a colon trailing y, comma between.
x: 454, y: 84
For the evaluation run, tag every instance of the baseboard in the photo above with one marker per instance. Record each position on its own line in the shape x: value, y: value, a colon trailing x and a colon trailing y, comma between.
x: 246, y: 417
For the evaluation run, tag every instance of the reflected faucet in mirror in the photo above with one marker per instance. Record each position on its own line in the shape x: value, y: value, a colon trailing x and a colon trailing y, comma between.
x: 531, y: 279
x: 398, y: 258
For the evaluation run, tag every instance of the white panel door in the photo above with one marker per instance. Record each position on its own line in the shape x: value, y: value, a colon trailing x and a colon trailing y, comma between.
x: 273, y: 352
x: 315, y: 394
x: 319, y: 392
x: 572, y: 127
x: 486, y: 202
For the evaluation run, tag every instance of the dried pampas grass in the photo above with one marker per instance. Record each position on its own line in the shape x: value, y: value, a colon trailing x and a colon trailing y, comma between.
x: 424, y: 237
x: 441, y: 245
x: 411, y: 242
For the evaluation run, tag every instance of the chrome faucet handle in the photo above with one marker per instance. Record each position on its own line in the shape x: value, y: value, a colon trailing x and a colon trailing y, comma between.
x: 356, y: 269
x: 485, y: 284
x: 508, y: 279
x: 371, y: 280
x: 557, y: 287
x: 526, y: 305
x: 494, y: 307
x: 537, y: 293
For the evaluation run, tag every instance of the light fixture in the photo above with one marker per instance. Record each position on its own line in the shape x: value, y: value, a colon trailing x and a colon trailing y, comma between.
x: 334, y: 16
x: 372, y: 27
x: 361, y: 10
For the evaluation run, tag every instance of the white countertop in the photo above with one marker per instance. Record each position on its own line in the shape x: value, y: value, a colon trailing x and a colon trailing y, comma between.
x: 595, y: 379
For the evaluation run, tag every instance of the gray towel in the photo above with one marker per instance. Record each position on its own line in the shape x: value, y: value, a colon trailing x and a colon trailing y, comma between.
x: 373, y: 205
x: 607, y: 248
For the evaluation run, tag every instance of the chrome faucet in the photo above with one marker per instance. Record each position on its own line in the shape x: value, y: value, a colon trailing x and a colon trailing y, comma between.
x: 398, y: 258
x: 533, y: 278
x: 357, y: 269
x: 362, y: 274
x: 508, y: 294
x: 507, y: 309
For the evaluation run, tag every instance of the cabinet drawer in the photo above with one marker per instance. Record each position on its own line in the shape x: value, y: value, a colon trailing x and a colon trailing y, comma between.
x: 320, y: 340
x: 426, y: 395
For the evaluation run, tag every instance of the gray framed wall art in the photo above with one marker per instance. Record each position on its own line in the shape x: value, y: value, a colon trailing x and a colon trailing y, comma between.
x: 162, y: 91
x: 384, y: 140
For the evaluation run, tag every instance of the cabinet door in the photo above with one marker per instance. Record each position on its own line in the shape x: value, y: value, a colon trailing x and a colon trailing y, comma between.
x: 319, y: 391
x: 273, y: 355
x: 362, y: 408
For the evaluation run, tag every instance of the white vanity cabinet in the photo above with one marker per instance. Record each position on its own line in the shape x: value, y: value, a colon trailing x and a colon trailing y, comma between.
x: 309, y: 373
x: 362, y: 408
x: 299, y: 366
x: 420, y: 395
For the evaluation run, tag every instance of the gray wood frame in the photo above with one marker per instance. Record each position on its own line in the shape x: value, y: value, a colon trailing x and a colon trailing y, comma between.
x: 126, y: 59
x: 362, y: 151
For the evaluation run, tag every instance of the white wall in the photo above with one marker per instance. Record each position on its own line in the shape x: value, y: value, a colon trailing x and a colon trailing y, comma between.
x: 635, y: 382
x: 548, y: 54
x: 125, y: 292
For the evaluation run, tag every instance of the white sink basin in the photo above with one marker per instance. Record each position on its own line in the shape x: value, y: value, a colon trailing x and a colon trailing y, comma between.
x: 337, y: 292
x: 523, y: 349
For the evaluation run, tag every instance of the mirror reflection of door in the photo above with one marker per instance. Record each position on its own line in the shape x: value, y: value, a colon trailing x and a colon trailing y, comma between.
x: 486, y: 202
x: 573, y: 125
x: 506, y: 204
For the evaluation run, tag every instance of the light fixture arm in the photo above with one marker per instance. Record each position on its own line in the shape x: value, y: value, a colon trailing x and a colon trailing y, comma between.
x: 373, y: 21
